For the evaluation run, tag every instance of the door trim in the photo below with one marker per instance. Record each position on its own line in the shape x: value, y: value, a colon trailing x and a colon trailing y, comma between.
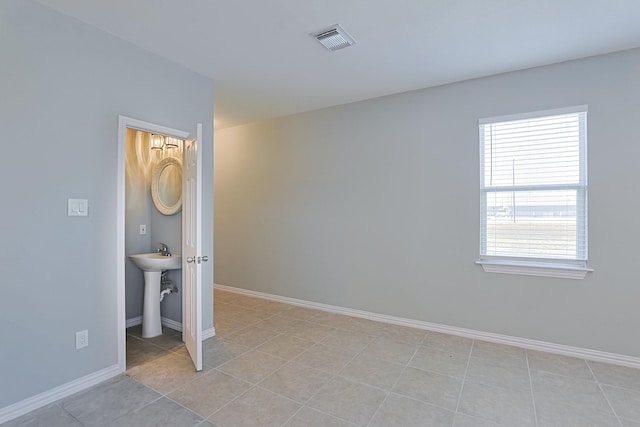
x: 124, y: 123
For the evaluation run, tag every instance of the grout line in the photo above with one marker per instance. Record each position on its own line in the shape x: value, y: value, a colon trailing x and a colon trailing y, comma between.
x: 464, y: 379
x: 533, y: 398
x: 604, y: 394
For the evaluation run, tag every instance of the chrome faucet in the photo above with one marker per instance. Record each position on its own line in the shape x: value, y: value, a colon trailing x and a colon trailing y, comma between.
x: 164, y: 250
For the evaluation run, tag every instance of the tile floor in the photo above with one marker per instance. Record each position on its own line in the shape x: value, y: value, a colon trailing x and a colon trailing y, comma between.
x: 273, y: 364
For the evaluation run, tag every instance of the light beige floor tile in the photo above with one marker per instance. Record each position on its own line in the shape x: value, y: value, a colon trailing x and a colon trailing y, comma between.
x: 108, y: 401
x: 249, y: 302
x: 256, y: 407
x: 391, y: 351
x: 285, y: 346
x: 625, y: 402
x: 296, y: 381
x: 210, y: 392
x: 278, y: 323
x: 442, y: 362
x: 509, y: 374
x: 169, y: 339
x: 310, y: 331
x: 347, y: 400
x: 372, y: 371
x: 301, y: 313
x: 215, y: 351
x: 251, y: 336
x: 446, y: 342
x: 403, y: 334
x: 568, y: 391
x: 167, y: 372
x: 617, y: 376
x: 275, y: 307
x: 325, y: 358
x: 347, y: 340
x: 49, y: 416
x: 308, y: 417
x: 140, y: 351
x: 332, y: 320
x: 253, y: 366
x: 401, y: 411
x: 558, y: 364
x: 247, y: 315
x: 430, y: 387
x: 552, y: 415
x: 225, y: 327
x: 498, y: 352
x: 161, y: 413
x: 498, y: 404
x: 464, y: 420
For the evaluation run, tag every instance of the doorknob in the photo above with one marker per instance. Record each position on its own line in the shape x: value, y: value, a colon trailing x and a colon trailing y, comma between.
x: 191, y: 259
x: 204, y: 258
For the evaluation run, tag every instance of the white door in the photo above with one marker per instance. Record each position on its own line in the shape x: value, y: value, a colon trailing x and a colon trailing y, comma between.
x: 191, y: 248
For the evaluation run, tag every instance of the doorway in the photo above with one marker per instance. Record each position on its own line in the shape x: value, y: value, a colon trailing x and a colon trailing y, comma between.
x: 190, y: 295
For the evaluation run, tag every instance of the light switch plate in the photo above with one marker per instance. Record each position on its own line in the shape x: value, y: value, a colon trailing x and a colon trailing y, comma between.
x: 143, y: 229
x: 77, y: 207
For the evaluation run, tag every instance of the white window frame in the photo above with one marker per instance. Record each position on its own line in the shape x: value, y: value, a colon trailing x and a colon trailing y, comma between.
x: 559, y: 268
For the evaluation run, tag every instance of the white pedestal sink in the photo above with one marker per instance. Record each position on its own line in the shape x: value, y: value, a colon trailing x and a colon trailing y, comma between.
x: 153, y: 264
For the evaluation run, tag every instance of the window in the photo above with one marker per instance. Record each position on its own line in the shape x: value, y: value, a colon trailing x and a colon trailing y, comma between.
x: 533, y: 193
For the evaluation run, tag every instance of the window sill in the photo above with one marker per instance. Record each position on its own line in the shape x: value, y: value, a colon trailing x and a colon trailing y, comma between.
x: 529, y: 268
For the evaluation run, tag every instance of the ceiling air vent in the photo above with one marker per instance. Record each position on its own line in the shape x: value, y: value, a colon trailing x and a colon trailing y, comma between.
x: 334, y: 38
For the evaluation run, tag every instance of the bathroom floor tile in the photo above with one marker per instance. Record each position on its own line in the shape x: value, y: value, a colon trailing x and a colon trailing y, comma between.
x: 296, y: 381
x: 442, y: 362
x: 49, y: 416
x: 325, y: 358
x: 108, y: 401
x: 568, y: 391
x: 285, y: 346
x: 215, y: 351
x: 437, y: 389
x: 253, y: 366
x: 402, y: 411
x: 256, y: 407
x: 307, y: 417
x: 348, y: 400
x: 391, y: 351
x: 497, y: 404
x: 558, y: 364
x: 210, y: 392
x: 372, y: 371
x: 167, y: 372
x: 161, y: 413
x: 617, y: 376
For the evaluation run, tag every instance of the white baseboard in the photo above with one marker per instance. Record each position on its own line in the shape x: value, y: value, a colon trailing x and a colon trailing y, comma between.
x: 208, y: 333
x: 171, y: 324
x: 50, y: 396
x: 134, y: 321
x: 583, y: 353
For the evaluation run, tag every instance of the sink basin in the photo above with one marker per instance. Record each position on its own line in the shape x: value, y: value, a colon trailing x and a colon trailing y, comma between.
x: 156, y: 262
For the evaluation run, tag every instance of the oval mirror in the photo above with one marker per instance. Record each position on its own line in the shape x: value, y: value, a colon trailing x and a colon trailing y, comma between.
x: 166, y: 186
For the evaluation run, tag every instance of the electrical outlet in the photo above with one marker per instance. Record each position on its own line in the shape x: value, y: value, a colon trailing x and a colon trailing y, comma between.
x: 82, y: 339
x: 143, y: 229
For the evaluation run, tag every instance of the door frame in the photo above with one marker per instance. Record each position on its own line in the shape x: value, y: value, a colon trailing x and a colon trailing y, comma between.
x: 125, y: 123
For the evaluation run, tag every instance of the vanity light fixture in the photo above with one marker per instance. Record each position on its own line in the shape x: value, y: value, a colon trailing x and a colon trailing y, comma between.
x: 172, y: 142
x: 157, y: 142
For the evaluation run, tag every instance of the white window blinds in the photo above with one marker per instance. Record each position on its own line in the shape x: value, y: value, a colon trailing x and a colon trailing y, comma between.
x: 533, y: 186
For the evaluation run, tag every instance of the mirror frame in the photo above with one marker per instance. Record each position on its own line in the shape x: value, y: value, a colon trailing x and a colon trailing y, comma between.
x: 155, y: 179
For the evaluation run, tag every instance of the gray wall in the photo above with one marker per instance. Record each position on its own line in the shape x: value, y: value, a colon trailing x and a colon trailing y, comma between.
x: 63, y: 85
x: 140, y: 209
x: 374, y: 206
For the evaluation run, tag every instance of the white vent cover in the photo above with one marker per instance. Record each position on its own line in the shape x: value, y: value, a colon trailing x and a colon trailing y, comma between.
x: 334, y: 38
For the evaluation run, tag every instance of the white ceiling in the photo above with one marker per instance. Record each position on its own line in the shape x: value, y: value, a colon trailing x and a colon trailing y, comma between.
x: 265, y: 64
